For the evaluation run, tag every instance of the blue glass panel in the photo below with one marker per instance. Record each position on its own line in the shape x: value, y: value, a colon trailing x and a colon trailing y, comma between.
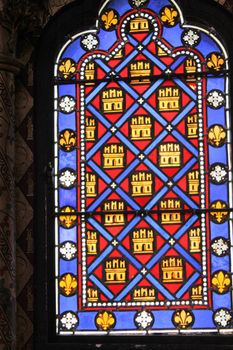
x: 67, y: 89
x: 219, y: 230
x: 68, y: 235
x: 87, y: 321
x: 67, y: 197
x: 219, y: 263
x: 68, y: 303
x: 67, y: 160
x: 203, y: 319
x: 207, y: 45
x: 221, y: 301
x: 67, y: 122
x: 68, y: 266
x: 173, y: 35
x: 216, y: 154
x: 216, y: 116
x: 74, y: 51
x: 218, y: 192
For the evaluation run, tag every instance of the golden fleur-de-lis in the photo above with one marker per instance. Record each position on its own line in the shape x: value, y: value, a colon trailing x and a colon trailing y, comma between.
x: 169, y: 16
x: 109, y: 18
x: 218, y: 215
x: 68, y: 284
x: 183, y: 319
x: 67, y: 140
x: 221, y: 282
x: 68, y: 219
x: 215, y: 61
x: 67, y: 68
x: 217, y: 135
x: 105, y: 320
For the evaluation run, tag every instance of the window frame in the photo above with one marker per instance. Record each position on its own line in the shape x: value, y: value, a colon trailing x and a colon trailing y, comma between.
x: 63, y: 25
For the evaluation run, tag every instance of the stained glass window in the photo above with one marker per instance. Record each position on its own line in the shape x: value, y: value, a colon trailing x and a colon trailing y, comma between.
x: 143, y: 182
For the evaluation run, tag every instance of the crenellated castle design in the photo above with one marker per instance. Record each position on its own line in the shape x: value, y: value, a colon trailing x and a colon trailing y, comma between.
x: 143, y: 241
x: 115, y: 271
x: 113, y: 156
x: 140, y: 72
x: 142, y: 183
x: 170, y: 211
x: 169, y: 155
x: 172, y: 270
x: 169, y: 98
x: 113, y: 215
x: 141, y: 127
x: 112, y: 100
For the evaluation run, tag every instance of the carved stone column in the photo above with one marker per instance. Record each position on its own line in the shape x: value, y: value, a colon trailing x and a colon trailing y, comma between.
x: 9, y: 66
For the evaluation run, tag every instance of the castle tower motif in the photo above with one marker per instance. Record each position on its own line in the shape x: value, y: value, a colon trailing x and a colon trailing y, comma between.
x: 190, y: 69
x: 138, y: 25
x: 192, y: 126
x: 113, y: 156
x: 141, y: 183
x: 169, y: 99
x: 141, y: 127
x: 113, y: 216
x: 144, y: 294
x: 91, y: 129
x: 112, y: 100
x: 115, y: 271
x: 143, y: 241
x: 91, y: 185
x: 90, y: 73
x: 193, y: 182
x: 170, y: 211
x: 172, y: 270
x: 195, y: 240
x: 140, y: 71
x: 169, y: 155
x: 92, y: 294
x: 196, y: 292
x: 92, y: 242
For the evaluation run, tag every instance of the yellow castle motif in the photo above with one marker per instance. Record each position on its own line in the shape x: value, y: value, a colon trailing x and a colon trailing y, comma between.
x: 92, y: 242
x: 112, y: 100
x: 169, y: 99
x: 92, y: 294
x: 190, y: 69
x: 171, y: 211
x: 115, y: 271
x: 144, y: 294
x: 140, y: 72
x: 193, y: 182
x: 169, y: 155
x: 91, y: 185
x: 143, y: 241
x: 90, y: 129
x: 196, y: 292
x: 114, y: 217
x: 172, y: 270
x: 192, y: 127
x: 195, y: 240
x: 142, y: 183
x: 90, y: 73
x: 139, y: 24
x: 141, y: 127
x: 113, y: 156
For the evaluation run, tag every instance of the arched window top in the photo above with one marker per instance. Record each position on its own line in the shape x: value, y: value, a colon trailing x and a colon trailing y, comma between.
x: 143, y: 177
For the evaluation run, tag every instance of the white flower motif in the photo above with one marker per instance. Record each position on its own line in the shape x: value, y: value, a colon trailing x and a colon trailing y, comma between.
x: 222, y: 318
x: 191, y: 37
x: 218, y: 173
x: 220, y: 246
x: 67, y: 104
x: 67, y: 178
x: 138, y: 3
x: 144, y: 319
x: 215, y: 99
x: 89, y: 42
x: 68, y: 250
x: 68, y: 321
